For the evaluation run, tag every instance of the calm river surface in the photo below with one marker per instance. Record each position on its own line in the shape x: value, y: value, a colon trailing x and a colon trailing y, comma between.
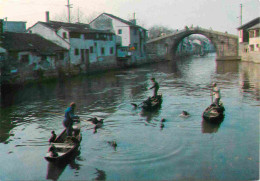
x: 180, y: 149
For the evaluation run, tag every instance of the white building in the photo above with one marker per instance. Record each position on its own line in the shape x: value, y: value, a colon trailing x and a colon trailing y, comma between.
x: 130, y: 34
x: 86, y: 46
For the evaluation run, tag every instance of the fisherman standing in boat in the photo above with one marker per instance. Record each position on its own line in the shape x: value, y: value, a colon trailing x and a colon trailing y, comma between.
x: 69, y: 118
x: 216, y: 93
x: 155, y: 87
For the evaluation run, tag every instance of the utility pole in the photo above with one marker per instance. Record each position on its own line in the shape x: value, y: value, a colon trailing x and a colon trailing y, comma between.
x: 78, y: 14
x: 69, y: 6
x: 241, y: 14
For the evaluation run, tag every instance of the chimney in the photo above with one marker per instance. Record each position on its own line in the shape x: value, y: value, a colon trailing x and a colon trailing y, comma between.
x: 47, y: 16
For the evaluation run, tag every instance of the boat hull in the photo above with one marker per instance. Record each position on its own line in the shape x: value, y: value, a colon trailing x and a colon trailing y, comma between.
x: 152, y: 103
x: 65, y: 146
x: 214, y: 114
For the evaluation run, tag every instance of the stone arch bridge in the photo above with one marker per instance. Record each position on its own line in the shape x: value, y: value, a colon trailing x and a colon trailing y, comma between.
x: 165, y: 47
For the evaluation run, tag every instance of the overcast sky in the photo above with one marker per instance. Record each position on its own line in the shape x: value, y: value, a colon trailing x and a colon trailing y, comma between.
x: 220, y: 15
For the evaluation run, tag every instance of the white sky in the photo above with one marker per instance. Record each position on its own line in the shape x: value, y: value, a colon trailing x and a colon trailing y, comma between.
x: 220, y: 15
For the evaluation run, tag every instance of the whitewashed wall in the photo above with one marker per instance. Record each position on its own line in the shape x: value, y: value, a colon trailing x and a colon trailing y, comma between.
x: 48, y: 34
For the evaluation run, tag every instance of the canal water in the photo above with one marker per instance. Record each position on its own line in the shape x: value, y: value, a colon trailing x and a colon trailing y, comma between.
x: 178, y: 149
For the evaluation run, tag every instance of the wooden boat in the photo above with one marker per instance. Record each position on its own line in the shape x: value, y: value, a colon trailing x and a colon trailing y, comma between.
x: 152, y: 103
x: 213, y: 113
x: 64, y: 146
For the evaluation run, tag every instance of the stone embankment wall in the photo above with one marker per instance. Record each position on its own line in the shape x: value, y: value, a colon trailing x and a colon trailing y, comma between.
x: 247, y: 56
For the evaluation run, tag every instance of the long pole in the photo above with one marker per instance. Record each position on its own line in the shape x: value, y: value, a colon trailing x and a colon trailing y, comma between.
x: 241, y: 14
x: 69, y: 6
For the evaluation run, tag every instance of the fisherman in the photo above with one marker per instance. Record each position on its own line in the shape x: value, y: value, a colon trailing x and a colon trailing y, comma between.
x: 155, y: 87
x: 216, y: 93
x: 70, y: 118
x: 53, y: 137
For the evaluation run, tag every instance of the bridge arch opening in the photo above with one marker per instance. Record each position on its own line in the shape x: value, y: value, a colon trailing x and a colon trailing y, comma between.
x: 193, y: 44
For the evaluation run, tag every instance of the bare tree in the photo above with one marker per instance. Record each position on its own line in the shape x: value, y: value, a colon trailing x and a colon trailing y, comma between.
x: 157, y: 31
x: 76, y: 16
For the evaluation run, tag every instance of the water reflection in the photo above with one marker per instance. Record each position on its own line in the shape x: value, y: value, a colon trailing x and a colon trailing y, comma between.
x: 207, y: 127
x: 249, y: 75
x: 224, y: 67
x: 101, y: 175
x: 149, y: 115
x: 54, y: 170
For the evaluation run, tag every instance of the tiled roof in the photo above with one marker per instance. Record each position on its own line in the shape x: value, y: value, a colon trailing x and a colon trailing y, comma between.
x: 73, y: 27
x: 57, y: 24
x: 29, y: 42
x: 250, y: 24
x: 123, y: 21
x: 257, y: 26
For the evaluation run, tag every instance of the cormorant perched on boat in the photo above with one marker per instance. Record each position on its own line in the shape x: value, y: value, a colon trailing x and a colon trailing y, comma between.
x: 53, y: 137
x: 53, y: 151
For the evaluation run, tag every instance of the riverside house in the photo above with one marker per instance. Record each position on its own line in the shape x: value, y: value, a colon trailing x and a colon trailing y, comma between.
x: 26, y: 56
x: 89, y: 49
x: 130, y: 36
x: 249, y: 41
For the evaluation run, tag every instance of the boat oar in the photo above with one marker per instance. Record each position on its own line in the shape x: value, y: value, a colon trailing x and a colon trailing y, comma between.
x: 211, y: 96
x: 135, y: 105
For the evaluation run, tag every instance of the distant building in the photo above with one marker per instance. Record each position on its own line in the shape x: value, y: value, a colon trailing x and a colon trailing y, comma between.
x: 87, y: 46
x: 23, y: 54
x: 129, y: 34
x: 14, y: 26
x: 249, y: 41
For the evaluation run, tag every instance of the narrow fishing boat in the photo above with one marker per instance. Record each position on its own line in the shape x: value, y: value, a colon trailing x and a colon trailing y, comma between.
x: 152, y: 103
x: 213, y: 113
x: 64, y: 146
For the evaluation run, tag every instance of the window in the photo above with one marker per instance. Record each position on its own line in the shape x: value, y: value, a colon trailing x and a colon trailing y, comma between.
x: 257, y: 33
x: 44, y: 57
x: 74, y: 35
x: 102, y: 51
x: 76, y: 51
x: 136, y: 46
x: 111, y: 37
x: 64, y: 35
x: 90, y: 36
x: 119, y: 31
x: 111, y: 50
x: 135, y: 32
x: 25, y: 59
x: 251, y: 47
x: 61, y: 56
x: 91, y: 49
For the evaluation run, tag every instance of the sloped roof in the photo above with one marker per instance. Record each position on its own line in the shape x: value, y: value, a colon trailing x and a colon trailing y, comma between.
x: 57, y: 24
x: 257, y: 26
x: 250, y: 24
x: 122, y: 20
x: 29, y: 42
